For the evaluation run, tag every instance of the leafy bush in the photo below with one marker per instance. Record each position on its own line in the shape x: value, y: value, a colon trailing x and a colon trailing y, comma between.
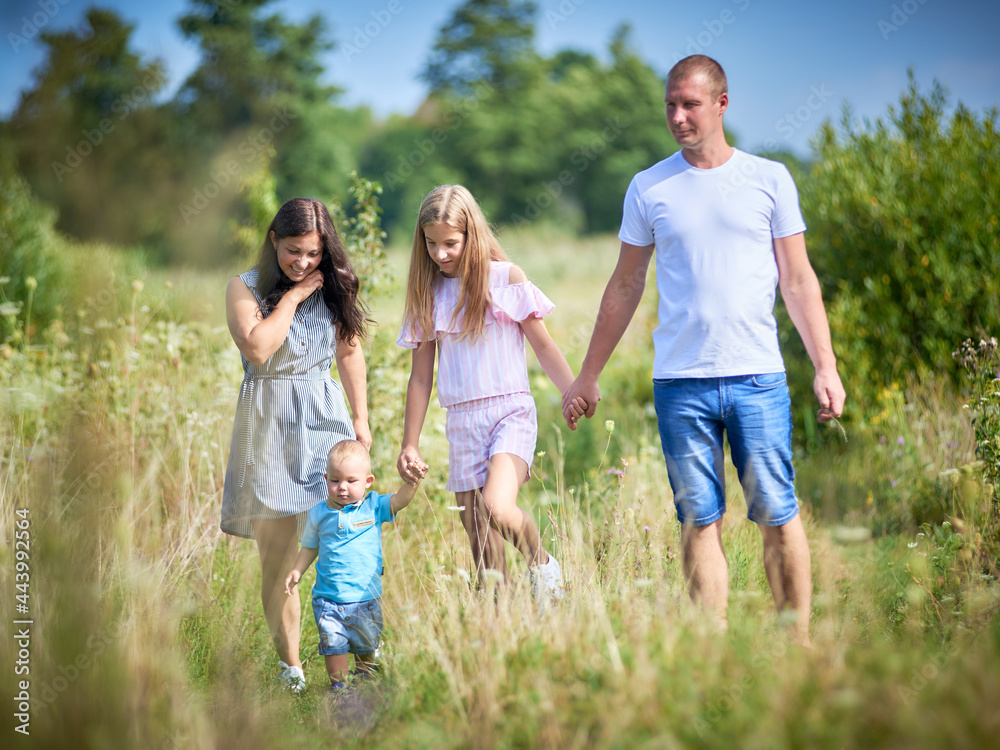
x: 29, y: 260
x: 982, y: 364
x: 903, y: 225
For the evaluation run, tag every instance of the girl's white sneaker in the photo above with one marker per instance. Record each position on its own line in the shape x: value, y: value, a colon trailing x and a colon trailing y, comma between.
x: 547, y: 581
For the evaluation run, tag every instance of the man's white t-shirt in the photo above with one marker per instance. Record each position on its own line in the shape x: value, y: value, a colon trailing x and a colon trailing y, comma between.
x: 716, y: 272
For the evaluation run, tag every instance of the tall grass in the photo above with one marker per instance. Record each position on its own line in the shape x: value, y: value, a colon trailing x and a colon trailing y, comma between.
x: 148, y: 630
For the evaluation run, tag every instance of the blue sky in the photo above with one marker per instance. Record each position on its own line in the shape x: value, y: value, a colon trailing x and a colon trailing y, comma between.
x: 790, y: 64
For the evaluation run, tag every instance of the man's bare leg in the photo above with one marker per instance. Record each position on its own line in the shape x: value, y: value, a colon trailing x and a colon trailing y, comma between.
x: 705, y: 568
x: 789, y: 572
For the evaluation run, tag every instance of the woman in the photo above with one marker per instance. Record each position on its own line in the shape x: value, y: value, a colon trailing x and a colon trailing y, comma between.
x: 290, y: 316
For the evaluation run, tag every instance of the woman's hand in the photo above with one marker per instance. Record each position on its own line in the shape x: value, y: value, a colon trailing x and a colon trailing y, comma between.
x: 303, y: 290
x: 363, y: 432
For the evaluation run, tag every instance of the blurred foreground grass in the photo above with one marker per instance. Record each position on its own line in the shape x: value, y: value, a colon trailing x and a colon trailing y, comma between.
x: 147, y: 630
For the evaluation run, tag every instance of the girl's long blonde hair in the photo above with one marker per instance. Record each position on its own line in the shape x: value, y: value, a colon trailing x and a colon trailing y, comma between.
x: 452, y: 205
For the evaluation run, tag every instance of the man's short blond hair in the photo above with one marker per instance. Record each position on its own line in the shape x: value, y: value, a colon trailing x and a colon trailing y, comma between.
x: 695, y: 65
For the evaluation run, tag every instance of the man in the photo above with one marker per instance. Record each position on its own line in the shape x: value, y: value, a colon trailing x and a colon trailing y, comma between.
x: 726, y: 229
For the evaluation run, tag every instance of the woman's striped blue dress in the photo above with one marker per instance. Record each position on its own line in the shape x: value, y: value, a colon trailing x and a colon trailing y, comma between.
x: 290, y: 413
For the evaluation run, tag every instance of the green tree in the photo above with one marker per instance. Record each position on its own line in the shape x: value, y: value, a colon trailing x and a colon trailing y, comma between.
x: 409, y: 156
x: 79, y: 135
x: 483, y: 40
x: 562, y: 147
x: 556, y: 142
x: 256, y: 99
x: 623, y: 132
x: 251, y: 64
x: 30, y: 242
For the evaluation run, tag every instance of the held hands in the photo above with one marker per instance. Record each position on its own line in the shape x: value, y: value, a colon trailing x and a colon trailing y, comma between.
x: 416, y: 469
x: 580, y: 400
x: 412, y: 471
x: 411, y: 465
x: 577, y: 408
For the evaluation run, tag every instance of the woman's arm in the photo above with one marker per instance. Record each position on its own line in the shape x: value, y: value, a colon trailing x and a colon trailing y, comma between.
x: 418, y: 396
x: 258, y: 338
x: 354, y: 378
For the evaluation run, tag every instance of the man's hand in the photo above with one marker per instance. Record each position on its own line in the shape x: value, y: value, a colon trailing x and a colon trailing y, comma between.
x: 831, y: 395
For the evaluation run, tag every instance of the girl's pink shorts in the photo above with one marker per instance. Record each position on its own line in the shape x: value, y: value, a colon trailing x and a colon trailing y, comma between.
x: 478, y: 430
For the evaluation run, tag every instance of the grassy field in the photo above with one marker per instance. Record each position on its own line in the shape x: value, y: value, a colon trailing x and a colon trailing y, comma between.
x: 146, y: 625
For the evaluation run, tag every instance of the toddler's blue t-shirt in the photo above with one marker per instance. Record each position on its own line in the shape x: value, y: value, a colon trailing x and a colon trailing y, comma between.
x: 349, y: 566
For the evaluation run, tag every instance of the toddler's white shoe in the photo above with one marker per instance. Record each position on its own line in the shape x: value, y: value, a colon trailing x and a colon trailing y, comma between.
x: 291, y: 678
x: 547, y: 581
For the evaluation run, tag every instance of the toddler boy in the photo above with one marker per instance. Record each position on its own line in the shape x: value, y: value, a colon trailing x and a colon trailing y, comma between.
x: 345, y: 533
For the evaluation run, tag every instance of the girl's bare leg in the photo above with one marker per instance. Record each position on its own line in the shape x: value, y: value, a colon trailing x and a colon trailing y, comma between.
x: 504, y: 477
x: 488, y: 551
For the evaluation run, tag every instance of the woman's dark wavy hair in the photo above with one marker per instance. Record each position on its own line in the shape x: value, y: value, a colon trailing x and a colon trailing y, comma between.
x: 295, y: 218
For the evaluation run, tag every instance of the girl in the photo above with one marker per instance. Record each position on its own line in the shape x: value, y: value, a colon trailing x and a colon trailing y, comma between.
x: 290, y: 316
x: 465, y: 298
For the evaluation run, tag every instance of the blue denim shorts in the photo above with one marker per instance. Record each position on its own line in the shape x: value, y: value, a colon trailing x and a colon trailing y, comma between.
x: 352, y: 628
x: 754, y: 412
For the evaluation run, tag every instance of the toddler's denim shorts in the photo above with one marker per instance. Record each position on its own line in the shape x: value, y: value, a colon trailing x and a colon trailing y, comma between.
x: 352, y: 628
x: 754, y: 412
